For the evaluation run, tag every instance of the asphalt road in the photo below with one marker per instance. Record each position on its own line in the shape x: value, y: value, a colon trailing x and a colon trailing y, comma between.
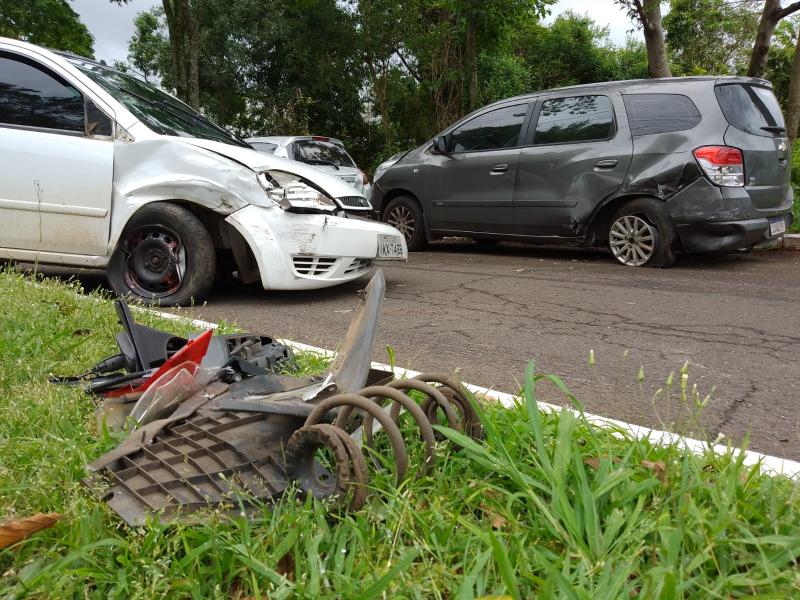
x: 486, y: 312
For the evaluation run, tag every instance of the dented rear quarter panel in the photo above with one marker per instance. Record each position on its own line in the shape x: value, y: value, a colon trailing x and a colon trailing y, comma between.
x: 663, y: 164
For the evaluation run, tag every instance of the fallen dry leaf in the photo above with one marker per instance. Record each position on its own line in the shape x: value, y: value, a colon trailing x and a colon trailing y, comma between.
x: 286, y: 566
x: 496, y: 520
x: 594, y: 461
x: 660, y: 470
x: 12, y: 532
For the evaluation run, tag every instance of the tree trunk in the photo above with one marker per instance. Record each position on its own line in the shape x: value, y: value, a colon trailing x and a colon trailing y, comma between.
x: 793, y: 103
x: 471, y: 65
x: 192, y: 54
x: 175, y: 49
x: 766, y: 26
x: 657, y: 62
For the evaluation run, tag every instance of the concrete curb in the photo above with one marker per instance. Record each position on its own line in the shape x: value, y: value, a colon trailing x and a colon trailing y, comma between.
x: 790, y: 241
x: 768, y: 463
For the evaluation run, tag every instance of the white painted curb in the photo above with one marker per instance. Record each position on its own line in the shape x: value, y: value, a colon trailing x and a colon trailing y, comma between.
x: 771, y: 464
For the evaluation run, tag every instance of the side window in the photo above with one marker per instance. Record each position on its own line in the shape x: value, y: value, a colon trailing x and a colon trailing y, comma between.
x: 660, y: 113
x: 32, y: 97
x: 575, y: 119
x: 496, y: 129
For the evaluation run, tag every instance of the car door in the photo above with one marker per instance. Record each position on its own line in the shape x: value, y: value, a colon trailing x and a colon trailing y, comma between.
x: 475, y: 179
x: 577, y: 153
x: 57, y: 167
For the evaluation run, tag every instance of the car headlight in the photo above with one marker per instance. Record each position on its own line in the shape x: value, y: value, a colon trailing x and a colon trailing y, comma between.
x: 290, y: 193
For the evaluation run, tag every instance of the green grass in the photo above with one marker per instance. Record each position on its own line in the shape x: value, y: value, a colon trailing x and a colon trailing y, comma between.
x: 547, y: 507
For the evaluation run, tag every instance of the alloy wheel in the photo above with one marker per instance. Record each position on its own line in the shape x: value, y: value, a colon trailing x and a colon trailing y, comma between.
x: 402, y: 219
x: 632, y: 240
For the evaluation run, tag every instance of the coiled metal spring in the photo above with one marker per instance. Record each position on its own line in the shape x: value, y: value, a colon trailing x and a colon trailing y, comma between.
x: 347, y: 480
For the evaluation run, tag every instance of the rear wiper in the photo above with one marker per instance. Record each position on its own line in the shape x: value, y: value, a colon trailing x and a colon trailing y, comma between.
x: 774, y: 128
x: 314, y: 161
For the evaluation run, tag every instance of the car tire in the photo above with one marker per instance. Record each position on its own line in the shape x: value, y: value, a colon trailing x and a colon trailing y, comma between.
x: 405, y: 215
x: 641, y: 234
x: 165, y: 256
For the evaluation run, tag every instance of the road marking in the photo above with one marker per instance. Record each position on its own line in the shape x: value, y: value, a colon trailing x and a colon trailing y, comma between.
x: 770, y: 464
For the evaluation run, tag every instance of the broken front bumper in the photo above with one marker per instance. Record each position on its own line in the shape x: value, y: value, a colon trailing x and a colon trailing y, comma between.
x: 307, y: 251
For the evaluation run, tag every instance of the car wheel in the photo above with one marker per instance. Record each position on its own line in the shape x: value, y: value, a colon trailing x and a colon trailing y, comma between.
x: 164, y: 256
x: 405, y: 215
x: 641, y: 234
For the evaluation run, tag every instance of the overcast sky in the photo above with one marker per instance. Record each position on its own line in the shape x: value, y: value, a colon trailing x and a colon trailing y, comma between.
x: 112, y: 25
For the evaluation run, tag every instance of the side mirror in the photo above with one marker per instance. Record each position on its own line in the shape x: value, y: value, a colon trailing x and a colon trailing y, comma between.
x: 440, y: 144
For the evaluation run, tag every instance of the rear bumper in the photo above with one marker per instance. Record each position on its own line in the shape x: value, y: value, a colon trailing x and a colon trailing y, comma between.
x: 726, y: 235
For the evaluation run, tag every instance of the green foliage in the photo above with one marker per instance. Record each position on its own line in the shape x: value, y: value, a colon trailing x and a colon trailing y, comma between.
x: 781, y: 57
x: 549, y: 506
x: 51, y: 23
x: 386, y: 75
x: 148, y: 48
x: 710, y: 37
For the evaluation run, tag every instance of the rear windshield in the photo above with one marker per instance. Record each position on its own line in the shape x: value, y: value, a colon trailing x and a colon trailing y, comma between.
x: 317, y: 152
x: 750, y: 108
x: 267, y: 147
x: 660, y: 113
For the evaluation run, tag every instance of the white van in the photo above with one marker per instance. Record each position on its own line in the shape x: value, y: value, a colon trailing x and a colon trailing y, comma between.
x: 100, y: 169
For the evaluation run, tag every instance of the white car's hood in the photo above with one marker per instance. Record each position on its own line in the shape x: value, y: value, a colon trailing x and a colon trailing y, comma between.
x: 258, y: 161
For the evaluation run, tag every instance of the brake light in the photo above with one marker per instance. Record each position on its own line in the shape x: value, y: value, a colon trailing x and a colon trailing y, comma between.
x: 723, y: 165
x: 320, y: 138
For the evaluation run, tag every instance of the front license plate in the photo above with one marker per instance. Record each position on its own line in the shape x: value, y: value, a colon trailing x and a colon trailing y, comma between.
x: 390, y: 246
x: 777, y: 225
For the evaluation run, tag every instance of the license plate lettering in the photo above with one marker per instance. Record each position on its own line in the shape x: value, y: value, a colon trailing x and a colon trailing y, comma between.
x: 777, y: 225
x: 390, y: 246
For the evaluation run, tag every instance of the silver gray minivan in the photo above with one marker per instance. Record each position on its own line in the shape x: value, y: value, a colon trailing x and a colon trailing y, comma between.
x: 646, y: 168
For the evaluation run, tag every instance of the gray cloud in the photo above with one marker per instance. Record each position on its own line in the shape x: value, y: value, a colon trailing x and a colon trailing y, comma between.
x: 110, y: 24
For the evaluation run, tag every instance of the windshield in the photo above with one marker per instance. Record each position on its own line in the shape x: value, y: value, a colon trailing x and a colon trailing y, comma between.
x: 161, y: 112
x: 318, y: 152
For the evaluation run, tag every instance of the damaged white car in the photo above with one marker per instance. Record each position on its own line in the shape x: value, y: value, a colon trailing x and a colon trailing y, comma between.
x: 100, y: 169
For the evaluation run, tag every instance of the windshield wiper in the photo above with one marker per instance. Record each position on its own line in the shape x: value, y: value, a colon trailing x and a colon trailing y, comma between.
x: 179, y: 113
x: 774, y: 128
x: 317, y: 161
x: 168, y: 106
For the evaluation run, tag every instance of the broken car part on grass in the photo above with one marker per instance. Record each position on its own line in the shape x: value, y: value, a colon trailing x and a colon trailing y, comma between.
x: 245, y: 435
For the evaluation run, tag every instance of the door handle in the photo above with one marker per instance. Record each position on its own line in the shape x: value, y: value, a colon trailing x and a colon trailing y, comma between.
x: 498, y: 169
x: 605, y: 165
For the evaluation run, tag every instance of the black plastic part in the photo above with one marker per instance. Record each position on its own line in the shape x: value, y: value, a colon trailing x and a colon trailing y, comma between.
x: 144, y: 347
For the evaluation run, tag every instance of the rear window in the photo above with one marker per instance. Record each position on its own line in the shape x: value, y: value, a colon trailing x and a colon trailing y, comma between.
x: 267, y: 147
x: 750, y: 108
x: 660, y: 113
x: 317, y: 152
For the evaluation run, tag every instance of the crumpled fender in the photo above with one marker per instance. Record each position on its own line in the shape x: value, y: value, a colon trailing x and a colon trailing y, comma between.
x: 157, y: 170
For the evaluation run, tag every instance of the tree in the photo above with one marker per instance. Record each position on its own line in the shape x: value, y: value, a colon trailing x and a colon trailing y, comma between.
x: 51, y: 23
x: 184, y: 42
x: 710, y: 36
x: 148, y: 49
x: 647, y: 15
x: 770, y: 17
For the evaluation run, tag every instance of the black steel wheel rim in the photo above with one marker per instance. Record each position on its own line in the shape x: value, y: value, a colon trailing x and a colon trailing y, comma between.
x: 155, y: 261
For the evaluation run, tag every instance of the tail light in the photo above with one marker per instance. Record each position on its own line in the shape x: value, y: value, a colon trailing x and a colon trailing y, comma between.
x: 723, y: 165
x: 365, y: 177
